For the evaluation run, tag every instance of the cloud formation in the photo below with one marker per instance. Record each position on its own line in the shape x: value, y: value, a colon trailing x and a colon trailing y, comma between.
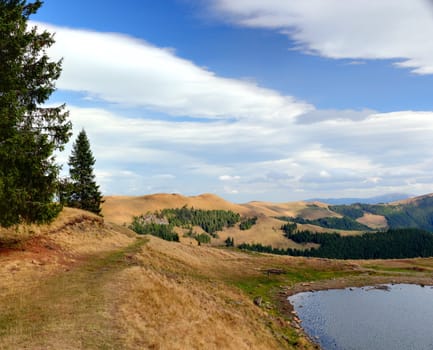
x: 237, y: 139
x: 387, y: 29
x: 360, y: 157
x: 123, y: 70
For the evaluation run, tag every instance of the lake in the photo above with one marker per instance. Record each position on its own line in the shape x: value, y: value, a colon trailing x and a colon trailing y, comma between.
x: 397, y: 317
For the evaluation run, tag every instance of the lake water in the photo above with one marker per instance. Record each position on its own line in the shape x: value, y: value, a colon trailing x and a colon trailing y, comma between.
x: 398, y: 318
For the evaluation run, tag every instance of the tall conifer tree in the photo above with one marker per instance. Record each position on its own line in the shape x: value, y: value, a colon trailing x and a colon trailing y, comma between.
x: 85, y: 192
x: 29, y: 133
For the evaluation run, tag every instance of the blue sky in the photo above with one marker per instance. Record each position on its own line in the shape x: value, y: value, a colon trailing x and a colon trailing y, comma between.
x: 252, y: 100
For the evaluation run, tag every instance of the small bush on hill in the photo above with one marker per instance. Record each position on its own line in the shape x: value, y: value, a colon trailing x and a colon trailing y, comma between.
x: 247, y: 223
x: 202, y: 238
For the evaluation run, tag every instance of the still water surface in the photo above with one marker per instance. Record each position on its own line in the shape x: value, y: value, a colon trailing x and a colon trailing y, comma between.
x: 399, y: 317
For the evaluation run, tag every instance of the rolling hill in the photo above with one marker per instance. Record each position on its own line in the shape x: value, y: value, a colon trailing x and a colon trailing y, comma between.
x: 319, y: 217
x: 121, y: 209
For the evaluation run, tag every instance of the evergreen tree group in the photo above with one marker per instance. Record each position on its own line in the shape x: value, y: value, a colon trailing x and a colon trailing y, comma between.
x: 392, y: 244
x: 210, y: 221
x: 29, y: 133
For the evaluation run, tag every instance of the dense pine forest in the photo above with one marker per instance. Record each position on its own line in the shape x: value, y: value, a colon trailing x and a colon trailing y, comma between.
x: 210, y: 221
x: 344, y: 223
x: 392, y: 244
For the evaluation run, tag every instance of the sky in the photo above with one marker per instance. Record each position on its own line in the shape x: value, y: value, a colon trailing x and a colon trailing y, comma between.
x: 276, y: 100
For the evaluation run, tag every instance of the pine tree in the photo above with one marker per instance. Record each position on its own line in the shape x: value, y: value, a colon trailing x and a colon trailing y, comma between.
x: 29, y: 133
x: 85, y: 192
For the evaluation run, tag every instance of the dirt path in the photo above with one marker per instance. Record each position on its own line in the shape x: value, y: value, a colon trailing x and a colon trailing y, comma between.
x: 69, y: 309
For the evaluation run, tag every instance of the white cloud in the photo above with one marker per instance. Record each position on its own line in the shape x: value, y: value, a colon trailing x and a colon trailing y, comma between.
x: 353, y: 29
x: 120, y: 69
x: 277, y: 147
x: 229, y: 178
x: 230, y: 190
x: 324, y: 173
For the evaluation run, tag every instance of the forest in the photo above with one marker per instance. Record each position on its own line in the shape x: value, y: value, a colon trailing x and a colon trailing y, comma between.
x: 392, y: 244
x: 162, y: 223
x: 210, y: 221
x: 344, y: 223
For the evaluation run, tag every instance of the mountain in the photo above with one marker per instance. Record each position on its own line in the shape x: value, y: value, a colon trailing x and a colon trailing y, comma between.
x: 386, y: 198
x: 416, y: 212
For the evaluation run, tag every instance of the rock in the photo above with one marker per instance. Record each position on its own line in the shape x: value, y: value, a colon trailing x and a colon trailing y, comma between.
x: 258, y: 301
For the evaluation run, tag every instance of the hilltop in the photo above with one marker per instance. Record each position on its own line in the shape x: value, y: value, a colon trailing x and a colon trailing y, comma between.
x: 121, y: 209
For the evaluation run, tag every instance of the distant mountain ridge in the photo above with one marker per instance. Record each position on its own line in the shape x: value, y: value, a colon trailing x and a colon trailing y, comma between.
x: 415, y: 212
x: 382, y: 199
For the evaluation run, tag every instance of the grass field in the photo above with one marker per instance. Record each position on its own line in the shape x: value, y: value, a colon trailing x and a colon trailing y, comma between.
x: 81, y: 283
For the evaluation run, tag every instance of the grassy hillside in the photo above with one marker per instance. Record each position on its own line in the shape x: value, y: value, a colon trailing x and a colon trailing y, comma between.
x: 121, y: 209
x: 81, y: 283
x: 267, y: 230
x: 346, y: 220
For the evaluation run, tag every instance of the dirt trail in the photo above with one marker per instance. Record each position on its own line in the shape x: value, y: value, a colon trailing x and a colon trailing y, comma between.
x: 67, y: 309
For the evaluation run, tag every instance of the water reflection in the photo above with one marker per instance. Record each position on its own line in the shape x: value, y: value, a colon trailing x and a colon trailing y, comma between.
x: 392, y: 317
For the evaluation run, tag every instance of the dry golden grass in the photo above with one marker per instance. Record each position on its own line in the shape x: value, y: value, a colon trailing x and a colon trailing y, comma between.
x: 307, y: 210
x: 49, y: 282
x: 266, y: 231
x: 373, y: 221
x: 276, y: 209
x: 80, y: 283
x: 175, y: 300
x: 75, y: 286
x: 121, y: 209
x: 187, y: 314
x: 33, y: 252
x: 317, y: 210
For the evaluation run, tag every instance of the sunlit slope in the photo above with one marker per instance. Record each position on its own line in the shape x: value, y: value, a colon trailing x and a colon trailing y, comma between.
x: 84, y: 283
x: 318, y: 217
x: 303, y: 209
x: 81, y: 283
x: 267, y: 230
x: 121, y: 209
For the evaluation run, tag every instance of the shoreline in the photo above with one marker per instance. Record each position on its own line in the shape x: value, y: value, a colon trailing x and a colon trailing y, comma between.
x: 287, y: 309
